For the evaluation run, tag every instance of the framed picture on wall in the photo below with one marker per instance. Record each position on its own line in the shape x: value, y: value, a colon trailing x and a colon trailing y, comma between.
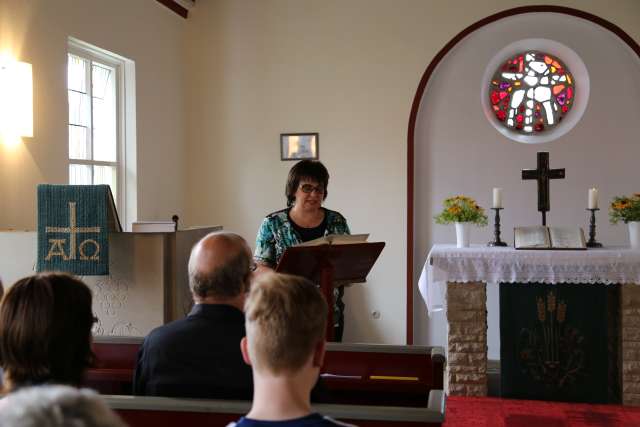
x: 298, y: 146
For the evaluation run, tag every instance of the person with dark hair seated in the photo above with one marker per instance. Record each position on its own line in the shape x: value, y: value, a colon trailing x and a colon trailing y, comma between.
x: 45, y: 331
x: 304, y: 219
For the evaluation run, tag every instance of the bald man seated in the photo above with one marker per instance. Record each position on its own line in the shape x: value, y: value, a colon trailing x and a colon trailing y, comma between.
x: 199, y: 356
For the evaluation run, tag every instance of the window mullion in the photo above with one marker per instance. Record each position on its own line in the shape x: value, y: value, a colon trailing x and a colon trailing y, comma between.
x: 90, y: 95
x: 92, y: 162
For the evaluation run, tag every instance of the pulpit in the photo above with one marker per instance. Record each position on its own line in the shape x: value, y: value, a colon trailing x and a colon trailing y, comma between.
x: 329, y: 264
x: 455, y: 279
x: 147, y: 284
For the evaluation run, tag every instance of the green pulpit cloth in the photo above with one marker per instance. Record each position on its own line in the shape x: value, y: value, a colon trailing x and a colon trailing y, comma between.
x: 73, y: 228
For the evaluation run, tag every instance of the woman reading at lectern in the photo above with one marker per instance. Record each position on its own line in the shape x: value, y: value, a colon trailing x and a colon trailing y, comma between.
x: 304, y: 219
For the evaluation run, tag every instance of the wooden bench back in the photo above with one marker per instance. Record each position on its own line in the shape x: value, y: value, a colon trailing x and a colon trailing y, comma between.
x: 352, y: 373
x: 140, y: 411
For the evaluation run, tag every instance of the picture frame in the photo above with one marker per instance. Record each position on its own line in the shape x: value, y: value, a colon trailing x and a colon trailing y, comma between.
x: 300, y: 146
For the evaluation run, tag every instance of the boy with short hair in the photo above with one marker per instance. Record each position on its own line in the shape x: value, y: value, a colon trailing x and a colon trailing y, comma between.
x: 285, y: 318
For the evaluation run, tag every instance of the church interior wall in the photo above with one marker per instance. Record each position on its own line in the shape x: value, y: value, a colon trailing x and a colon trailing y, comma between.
x: 215, y: 91
x: 459, y: 152
x: 36, y: 31
x: 348, y: 70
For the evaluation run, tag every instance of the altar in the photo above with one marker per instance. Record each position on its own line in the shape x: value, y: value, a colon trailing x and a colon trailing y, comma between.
x: 454, y: 279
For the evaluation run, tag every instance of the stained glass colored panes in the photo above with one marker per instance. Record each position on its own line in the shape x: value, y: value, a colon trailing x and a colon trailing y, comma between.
x: 531, y: 92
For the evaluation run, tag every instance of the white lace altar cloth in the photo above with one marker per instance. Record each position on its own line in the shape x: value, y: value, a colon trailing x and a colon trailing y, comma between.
x: 446, y: 263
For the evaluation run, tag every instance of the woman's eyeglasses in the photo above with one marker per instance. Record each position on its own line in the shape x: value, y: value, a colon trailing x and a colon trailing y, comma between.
x: 308, y: 188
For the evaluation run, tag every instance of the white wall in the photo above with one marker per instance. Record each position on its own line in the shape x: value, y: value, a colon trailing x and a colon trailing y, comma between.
x: 459, y: 152
x: 208, y: 120
x: 36, y: 31
x: 347, y: 69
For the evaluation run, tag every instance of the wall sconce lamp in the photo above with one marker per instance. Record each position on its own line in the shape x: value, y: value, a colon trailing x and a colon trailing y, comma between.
x: 16, y: 99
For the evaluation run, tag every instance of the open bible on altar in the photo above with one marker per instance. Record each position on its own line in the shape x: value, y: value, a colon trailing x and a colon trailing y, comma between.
x: 337, y: 239
x: 542, y: 237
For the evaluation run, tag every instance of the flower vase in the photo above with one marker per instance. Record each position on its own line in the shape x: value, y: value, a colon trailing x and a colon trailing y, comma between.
x: 463, y: 231
x: 634, y: 234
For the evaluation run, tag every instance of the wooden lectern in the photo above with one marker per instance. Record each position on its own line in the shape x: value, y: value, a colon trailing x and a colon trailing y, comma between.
x: 329, y: 264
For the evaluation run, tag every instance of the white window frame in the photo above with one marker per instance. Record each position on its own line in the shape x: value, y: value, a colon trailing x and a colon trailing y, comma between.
x: 126, y: 171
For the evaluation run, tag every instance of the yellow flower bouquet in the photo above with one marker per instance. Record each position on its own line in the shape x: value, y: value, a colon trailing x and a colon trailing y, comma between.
x: 625, y: 209
x: 461, y: 209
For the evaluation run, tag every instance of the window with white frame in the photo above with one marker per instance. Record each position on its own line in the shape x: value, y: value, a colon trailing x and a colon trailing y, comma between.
x: 100, y: 125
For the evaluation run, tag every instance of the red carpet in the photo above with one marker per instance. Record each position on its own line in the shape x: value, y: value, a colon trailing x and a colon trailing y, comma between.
x: 494, y: 412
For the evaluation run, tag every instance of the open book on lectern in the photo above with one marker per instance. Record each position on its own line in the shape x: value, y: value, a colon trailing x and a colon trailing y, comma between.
x: 350, y: 257
x: 337, y: 239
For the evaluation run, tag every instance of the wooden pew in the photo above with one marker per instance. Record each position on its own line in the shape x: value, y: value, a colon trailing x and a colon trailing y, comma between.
x: 142, y: 411
x: 352, y: 373
x: 377, y: 374
x: 115, y: 361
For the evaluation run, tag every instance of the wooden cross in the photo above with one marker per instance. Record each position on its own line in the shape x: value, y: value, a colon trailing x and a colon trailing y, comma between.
x: 543, y: 174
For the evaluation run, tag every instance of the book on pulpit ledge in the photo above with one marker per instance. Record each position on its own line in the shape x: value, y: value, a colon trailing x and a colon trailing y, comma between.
x: 337, y: 239
x: 153, y: 227
x: 543, y: 237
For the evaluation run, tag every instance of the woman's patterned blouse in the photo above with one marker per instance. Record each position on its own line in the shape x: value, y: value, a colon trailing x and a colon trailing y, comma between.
x: 276, y: 234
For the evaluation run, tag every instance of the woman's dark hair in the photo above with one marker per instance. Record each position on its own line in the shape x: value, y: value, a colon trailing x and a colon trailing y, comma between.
x: 310, y: 169
x: 45, y: 330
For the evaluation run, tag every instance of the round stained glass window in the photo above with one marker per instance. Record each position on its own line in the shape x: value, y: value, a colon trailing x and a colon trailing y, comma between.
x: 531, y: 92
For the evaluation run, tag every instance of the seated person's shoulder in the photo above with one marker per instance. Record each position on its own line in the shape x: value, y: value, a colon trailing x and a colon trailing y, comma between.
x: 168, y: 327
x: 311, y: 420
x: 169, y: 332
x: 328, y: 421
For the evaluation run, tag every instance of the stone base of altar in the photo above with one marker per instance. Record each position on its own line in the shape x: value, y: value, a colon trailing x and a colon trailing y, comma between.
x: 630, y: 342
x: 466, y: 371
x: 467, y: 339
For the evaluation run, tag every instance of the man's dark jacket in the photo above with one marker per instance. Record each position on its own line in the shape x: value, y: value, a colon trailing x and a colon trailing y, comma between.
x: 198, y: 356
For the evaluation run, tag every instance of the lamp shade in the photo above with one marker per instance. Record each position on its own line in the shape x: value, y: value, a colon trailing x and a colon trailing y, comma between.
x: 16, y: 99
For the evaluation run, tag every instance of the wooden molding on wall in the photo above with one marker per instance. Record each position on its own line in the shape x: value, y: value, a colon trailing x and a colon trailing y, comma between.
x: 177, y: 8
x: 418, y: 98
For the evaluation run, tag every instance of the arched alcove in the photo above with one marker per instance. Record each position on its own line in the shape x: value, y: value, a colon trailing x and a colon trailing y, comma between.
x: 453, y: 149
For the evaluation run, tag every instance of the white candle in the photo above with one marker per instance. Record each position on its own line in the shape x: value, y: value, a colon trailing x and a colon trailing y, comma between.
x: 593, y: 198
x: 497, y: 197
